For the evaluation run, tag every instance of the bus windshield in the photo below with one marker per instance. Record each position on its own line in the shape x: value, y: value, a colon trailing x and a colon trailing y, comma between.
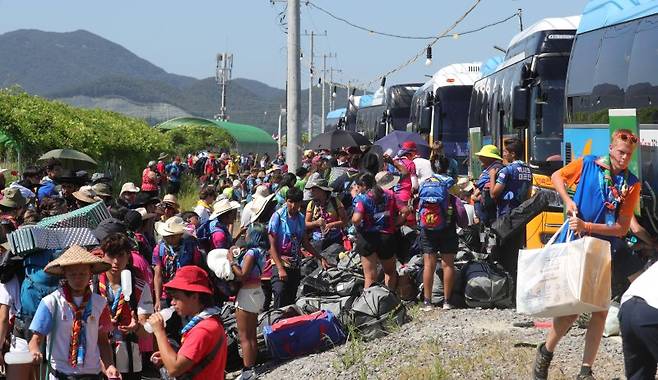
x: 399, y: 104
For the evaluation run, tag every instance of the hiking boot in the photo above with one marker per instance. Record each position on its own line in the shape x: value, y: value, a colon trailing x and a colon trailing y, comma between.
x: 585, y: 374
x: 447, y: 306
x: 542, y: 362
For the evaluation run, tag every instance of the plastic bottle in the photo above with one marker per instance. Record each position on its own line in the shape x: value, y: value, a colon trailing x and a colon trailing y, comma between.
x: 165, y: 313
x: 126, y: 284
x: 18, y: 357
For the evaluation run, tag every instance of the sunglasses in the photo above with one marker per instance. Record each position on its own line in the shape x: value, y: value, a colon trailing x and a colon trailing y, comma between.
x: 626, y: 137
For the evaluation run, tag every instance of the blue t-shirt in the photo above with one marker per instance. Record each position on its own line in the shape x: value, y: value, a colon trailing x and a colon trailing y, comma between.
x: 174, y: 172
x: 517, y: 179
x: 288, y: 232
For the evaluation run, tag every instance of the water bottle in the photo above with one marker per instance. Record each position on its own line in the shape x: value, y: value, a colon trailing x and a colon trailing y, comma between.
x: 164, y: 374
x: 165, y: 313
x: 126, y: 284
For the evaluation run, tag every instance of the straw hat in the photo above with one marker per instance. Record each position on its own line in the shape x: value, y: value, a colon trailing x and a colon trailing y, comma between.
x: 222, y: 207
x: 129, y: 187
x: 320, y: 183
x: 12, y: 198
x: 386, y: 180
x: 258, y: 205
x: 86, y: 194
x: 490, y: 151
x: 102, y: 189
x: 173, y: 226
x: 76, y: 255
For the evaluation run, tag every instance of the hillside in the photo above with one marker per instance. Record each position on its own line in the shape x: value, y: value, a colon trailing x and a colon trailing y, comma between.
x: 86, y: 70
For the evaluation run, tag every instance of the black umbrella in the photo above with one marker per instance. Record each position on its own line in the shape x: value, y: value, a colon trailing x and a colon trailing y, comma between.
x: 338, y: 139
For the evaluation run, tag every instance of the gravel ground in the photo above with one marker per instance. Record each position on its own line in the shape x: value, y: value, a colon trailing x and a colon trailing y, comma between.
x: 454, y: 344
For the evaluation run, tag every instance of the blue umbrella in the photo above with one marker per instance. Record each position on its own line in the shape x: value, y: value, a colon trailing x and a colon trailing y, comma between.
x: 394, y: 140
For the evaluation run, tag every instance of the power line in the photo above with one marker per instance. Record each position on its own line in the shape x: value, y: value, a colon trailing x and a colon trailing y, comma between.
x: 372, y: 31
x: 423, y: 50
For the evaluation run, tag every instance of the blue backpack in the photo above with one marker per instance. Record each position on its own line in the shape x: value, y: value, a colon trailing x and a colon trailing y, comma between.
x: 37, y: 283
x: 205, y: 230
x: 434, y: 208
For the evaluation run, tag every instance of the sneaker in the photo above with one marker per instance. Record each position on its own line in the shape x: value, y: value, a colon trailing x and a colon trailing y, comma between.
x: 447, y: 306
x: 248, y: 374
x: 542, y: 362
x: 585, y: 374
x: 427, y: 306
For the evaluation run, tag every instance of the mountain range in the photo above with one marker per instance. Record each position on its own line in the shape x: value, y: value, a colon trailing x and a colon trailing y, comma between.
x: 86, y: 70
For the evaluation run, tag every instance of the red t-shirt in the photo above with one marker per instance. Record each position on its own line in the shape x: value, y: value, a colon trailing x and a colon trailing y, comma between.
x: 199, y: 342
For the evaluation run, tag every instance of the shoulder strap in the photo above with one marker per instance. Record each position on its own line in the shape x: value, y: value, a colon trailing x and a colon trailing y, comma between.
x: 208, y: 358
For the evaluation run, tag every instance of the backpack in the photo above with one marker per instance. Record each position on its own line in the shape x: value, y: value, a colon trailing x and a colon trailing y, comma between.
x: 340, y: 306
x: 302, y: 335
x: 270, y: 317
x: 204, y: 233
x: 374, y: 310
x: 233, y: 359
x: 434, y: 206
x: 487, y: 286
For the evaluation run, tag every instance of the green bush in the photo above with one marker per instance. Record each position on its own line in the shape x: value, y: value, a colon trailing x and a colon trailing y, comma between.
x: 188, y: 138
x: 121, y: 145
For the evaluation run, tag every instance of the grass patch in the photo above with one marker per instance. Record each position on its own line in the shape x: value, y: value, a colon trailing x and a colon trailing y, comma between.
x: 354, y: 353
x: 189, y: 193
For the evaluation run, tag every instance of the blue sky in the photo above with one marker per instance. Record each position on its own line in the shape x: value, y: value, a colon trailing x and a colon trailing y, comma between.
x: 183, y: 37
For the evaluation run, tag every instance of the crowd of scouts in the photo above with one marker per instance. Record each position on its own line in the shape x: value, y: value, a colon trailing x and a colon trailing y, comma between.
x: 68, y: 309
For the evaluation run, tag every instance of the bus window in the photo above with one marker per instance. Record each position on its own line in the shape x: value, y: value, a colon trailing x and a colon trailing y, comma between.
x: 583, y: 60
x: 612, y: 68
x: 642, y: 92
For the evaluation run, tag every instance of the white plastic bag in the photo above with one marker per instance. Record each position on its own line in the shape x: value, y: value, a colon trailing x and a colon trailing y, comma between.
x: 612, y: 321
x: 564, y: 278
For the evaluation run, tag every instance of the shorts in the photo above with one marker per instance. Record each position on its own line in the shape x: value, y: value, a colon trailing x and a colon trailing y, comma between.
x: 250, y: 300
x: 444, y: 241
x: 384, y: 245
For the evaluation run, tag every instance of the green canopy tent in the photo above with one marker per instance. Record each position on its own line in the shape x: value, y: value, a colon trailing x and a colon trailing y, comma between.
x: 247, y: 137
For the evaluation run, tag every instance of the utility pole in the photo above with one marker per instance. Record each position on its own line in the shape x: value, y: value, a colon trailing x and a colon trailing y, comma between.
x: 310, y: 83
x: 223, y: 76
x: 294, y: 87
x: 324, y: 75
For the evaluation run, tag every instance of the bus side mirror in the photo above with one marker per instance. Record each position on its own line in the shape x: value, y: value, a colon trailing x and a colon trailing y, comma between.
x: 520, y: 113
x: 425, y: 120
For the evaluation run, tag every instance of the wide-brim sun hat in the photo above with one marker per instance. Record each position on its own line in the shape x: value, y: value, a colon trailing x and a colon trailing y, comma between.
x: 76, y: 255
x: 465, y: 184
x: 261, y: 192
x: 258, y: 206
x: 490, y: 151
x: 12, y: 198
x: 162, y: 156
x: 386, y: 180
x: 170, y: 199
x: 172, y: 226
x: 190, y: 278
x: 222, y: 207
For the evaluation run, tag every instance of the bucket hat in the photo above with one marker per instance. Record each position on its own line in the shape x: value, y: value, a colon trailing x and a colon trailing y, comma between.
x: 173, y: 226
x: 465, y: 184
x: 86, y: 194
x: 320, y: 183
x: 490, y: 151
x: 12, y: 198
x: 102, y: 189
x: 386, y: 180
x: 222, y: 207
x: 76, y: 255
x: 129, y: 187
x: 190, y: 278
x: 170, y: 199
